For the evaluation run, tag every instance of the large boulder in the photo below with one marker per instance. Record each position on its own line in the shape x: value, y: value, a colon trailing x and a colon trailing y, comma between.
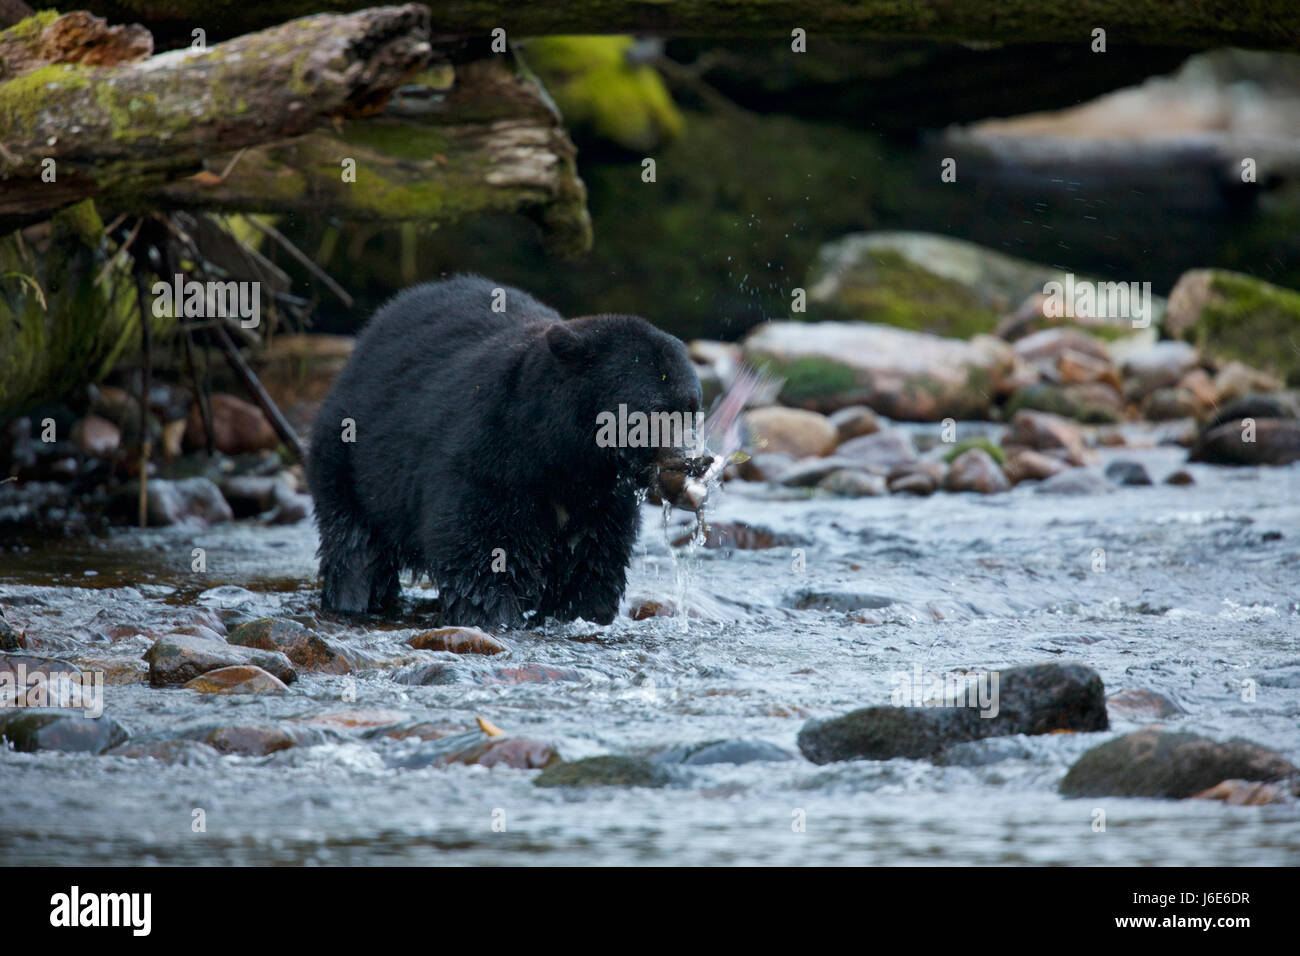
x: 1266, y: 441
x: 902, y: 374
x: 794, y: 431
x: 924, y: 282
x: 1235, y: 316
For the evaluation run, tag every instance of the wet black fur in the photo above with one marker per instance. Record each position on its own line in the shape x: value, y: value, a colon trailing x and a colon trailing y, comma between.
x: 476, y: 430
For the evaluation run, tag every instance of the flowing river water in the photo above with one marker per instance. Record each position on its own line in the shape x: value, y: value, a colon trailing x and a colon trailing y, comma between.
x: 1200, y: 591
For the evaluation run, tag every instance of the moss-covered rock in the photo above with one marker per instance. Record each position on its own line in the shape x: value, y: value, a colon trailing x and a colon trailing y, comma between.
x: 602, y: 93
x: 925, y: 282
x: 994, y: 450
x: 1229, y: 315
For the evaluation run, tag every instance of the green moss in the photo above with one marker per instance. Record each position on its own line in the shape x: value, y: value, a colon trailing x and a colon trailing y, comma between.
x: 810, y: 378
x: 1253, y: 321
x: 26, y: 96
x: 25, y: 31
x: 601, y: 94
x: 909, y: 296
x: 396, y: 138
x: 994, y: 451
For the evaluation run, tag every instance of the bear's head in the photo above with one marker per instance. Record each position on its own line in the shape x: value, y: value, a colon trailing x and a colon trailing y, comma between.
x: 633, y: 383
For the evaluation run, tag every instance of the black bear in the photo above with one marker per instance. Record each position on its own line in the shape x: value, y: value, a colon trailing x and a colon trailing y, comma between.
x: 461, y: 441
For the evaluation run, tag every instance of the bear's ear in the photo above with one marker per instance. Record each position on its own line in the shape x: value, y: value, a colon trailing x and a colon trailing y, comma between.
x: 564, y: 342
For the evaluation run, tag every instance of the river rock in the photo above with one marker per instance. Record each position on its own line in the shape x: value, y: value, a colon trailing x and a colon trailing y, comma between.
x: 923, y: 281
x: 1031, y: 699
x: 1093, y: 402
x: 766, y: 466
x: 457, y: 640
x: 300, y: 644
x: 742, y: 536
x: 1237, y: 380
x: 1135, y: 703
x: 96, y: 437
x: 1154, y: 762
x: 1245, y: 793
x: 1180, y: 477
x: 854, y: 422
x: 1161, y: 365
x: 241, y: 679
x: 975, y: 470
x: 1125, y: 472
x: 1075, y: 481
x: 1052, y: 434
x: 196, y: 502
x: 904, y: 375
x: 249, y: 495
x: 881, y: 453
x: 1235, y: 316
x: 811, y: 471
x: 1044, y: 348
x: 238, y: 427
x: 1026, y: 465
x: 1254, y: 406
x: 10, y: 638
x: 913, y: 483
x: 247, y: 740
x: 1277, y: 442
x: 179, y: 658
x: 793, y: 431
x: 478, y: 748
x: 725, y: 752
x: 31, y: 730
x: 607, y: 771
x: 853, y: 483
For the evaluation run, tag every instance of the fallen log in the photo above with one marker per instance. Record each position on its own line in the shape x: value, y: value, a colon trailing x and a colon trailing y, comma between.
x: 476, y: 137
x: 131, y: 125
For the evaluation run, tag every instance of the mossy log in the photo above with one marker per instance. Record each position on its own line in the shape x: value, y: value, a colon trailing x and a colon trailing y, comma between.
x: 477, y: 137
x: 124, y: 127
x: 1270, y: 24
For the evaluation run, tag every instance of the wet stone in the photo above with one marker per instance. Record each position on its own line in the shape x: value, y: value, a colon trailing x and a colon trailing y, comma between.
x: 28, y: 731
x: 607, y: 771
x: 1127, y: 473
x: 179, y: 658
x: 838, y: 601
x: 1134, y: 703
x: 1154, y: 762
x: 242, y: 679
x: 725, y: 752
x: 457, y: 640
x: 298, y: 643
x: 1075, y: 481
x: 1031, y: 699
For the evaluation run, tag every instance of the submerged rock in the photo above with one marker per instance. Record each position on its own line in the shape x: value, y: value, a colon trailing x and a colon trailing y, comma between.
x: 607, y: 771
x: 186, y: 501
x: 1138, y: 704
x: 179, y: 658
x: 1154, y: 762
x: 726, y: 752
x: 241, y: 679
x: 457, y: 640
x: 300, y: 644
x: 1127, y: 473
x: 1032, y: 699
x: 32, y: 730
